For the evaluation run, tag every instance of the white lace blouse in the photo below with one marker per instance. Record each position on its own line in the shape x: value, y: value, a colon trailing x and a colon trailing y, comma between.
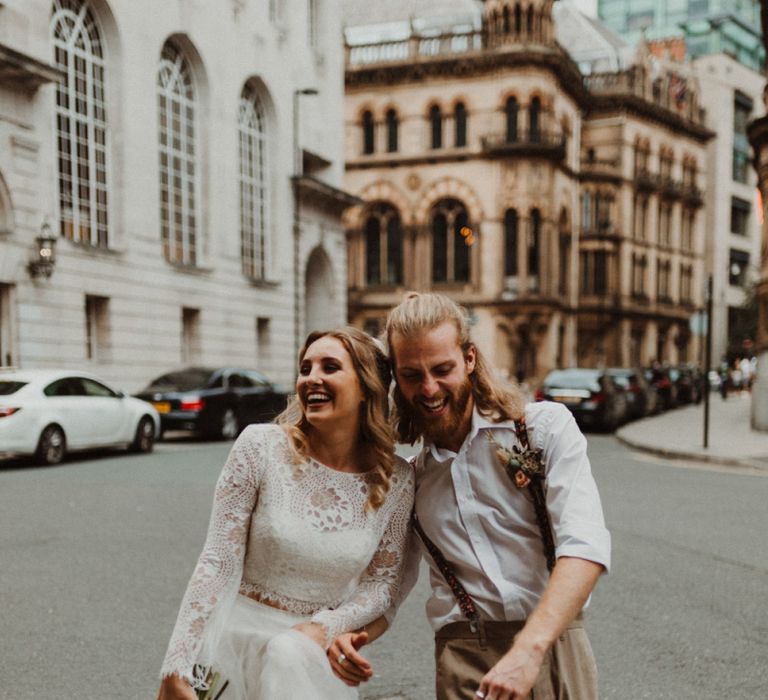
x: 296, y: 536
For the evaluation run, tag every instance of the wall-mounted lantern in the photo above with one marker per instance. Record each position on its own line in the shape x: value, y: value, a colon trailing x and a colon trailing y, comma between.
x: 45, y: 253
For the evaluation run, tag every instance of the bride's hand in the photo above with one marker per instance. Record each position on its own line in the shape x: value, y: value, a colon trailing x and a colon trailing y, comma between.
x: 314, y: 631
x: 347, y: 664
x: 175, y: 688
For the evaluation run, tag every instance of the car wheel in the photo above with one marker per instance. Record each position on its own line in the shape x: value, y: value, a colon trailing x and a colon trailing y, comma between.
x: 51, y: 447
x: 144, y: 441
x: 229, y: 429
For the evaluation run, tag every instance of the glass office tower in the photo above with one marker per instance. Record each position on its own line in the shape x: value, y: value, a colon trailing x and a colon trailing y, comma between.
x: 709, y: 26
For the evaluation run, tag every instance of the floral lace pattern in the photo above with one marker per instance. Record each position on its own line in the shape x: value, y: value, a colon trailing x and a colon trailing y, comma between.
x: 309, y: 547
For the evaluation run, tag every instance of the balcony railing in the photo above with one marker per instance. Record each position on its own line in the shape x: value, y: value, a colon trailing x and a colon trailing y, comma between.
x: 646, y: 180
x: 692, y: 194
x: 413, y: 48
x: 526, y: 142
x: 671, y: 187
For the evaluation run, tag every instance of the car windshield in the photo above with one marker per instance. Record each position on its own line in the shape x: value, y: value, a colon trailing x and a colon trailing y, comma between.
x: 183, y: 380
x: 573, y: 379
x: 7, y: 387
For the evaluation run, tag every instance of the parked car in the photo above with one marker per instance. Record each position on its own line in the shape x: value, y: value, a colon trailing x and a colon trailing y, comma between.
x: 48, y: 413
x: 659, y: 378
x: 642, y: 399
x: 592, y: 395
x: 689, y: 382
x: 213, y: 402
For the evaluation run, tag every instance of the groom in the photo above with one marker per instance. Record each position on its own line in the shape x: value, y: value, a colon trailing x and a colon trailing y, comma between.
x: 509, y: 578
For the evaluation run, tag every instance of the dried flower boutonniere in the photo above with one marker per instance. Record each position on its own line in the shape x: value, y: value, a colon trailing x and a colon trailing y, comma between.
x: 525, y: 466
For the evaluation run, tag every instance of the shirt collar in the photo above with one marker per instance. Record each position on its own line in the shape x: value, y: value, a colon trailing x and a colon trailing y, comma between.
x: 479, y: 422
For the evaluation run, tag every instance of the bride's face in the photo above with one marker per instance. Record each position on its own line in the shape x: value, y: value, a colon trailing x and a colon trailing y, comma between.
x: 328, y: 387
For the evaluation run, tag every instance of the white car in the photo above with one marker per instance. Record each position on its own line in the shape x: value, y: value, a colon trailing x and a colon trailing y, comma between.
x: 47, y: 413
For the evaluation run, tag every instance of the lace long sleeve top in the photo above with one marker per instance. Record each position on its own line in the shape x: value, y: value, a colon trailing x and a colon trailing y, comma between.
x: 297, y: 536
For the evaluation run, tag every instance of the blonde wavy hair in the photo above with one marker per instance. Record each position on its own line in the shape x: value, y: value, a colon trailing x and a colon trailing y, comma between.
x: 419, y: 312
x: 376, y: 432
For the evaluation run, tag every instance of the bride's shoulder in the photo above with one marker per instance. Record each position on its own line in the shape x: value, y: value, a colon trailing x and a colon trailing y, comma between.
x: 403, y: 473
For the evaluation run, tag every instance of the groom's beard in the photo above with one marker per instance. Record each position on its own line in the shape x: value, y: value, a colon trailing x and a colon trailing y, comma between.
x: 442, y: 430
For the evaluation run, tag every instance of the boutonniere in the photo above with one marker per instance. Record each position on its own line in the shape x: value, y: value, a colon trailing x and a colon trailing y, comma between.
x: 522, y: 464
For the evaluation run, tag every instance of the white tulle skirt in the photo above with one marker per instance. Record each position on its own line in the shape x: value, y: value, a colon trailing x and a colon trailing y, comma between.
x: 264, y: 659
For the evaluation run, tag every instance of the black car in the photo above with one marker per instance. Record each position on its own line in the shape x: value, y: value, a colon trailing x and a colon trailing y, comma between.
x: 214, y: 403
x: 660, y: 379
x: 689, y: 382
x: 642, y: 399
x: 593, y: 397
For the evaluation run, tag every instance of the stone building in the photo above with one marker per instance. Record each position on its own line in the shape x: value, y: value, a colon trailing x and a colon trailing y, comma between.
x: 186, y: 159
x: 564, y: 210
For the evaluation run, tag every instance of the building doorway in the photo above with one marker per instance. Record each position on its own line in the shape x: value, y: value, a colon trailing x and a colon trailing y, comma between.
x: 7, y: 330
x: 319, y: 293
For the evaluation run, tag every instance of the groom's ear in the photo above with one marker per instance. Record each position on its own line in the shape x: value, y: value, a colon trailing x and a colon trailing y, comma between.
x: 470, y: 358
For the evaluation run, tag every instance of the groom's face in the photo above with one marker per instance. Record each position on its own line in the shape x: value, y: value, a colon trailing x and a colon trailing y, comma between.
x: 432, y: 374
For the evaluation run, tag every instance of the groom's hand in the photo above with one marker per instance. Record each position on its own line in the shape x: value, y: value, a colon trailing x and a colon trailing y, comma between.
x: 349, y: 665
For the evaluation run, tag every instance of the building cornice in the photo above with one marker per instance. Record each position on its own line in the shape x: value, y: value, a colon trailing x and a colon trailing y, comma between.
x: 329, y: 198
x: 25, y: 72
x: 472, y: 64
x: 637, y: 106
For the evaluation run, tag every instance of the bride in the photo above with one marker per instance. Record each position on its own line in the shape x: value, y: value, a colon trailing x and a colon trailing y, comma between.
x: 309, y: 523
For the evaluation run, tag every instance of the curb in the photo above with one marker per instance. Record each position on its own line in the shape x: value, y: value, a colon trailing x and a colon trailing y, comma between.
x: 749, y: 462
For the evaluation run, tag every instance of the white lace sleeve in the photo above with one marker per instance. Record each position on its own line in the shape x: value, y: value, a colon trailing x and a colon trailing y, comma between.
x: 380, y: 582
x: 219, y: 569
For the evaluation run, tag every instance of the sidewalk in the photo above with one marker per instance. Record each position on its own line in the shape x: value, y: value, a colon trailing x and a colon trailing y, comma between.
x: 680, y: 434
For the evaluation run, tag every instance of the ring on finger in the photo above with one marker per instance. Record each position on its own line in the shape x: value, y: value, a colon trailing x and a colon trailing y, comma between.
x: 342, y: 658
x: 480, y: 694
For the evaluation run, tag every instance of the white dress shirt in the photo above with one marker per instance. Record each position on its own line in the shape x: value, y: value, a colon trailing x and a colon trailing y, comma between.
x: 486, y: 527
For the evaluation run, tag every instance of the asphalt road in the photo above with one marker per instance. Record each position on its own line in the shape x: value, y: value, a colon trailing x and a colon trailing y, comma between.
x: 95, y: 555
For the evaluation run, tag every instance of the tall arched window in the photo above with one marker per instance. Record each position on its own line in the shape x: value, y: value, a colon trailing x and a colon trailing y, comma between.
x: 436, y: 126
x: 506, y: 20
x: 254, y: 185
x: 510, y: 243
x: 512, y: 109
x: 529, y: 22
x: 518, y: 19
x: 369, y: 142
x: 534, y: 124
x: 178, y: 157
x: 383, y: 245
x: 392, y: 126
x: 534, y: 243
x: 460, y: 123
x: 81, y: 124
x: 450, y: 247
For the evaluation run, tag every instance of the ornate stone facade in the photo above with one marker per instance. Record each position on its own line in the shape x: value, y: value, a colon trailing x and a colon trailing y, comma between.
x: 564, y: 211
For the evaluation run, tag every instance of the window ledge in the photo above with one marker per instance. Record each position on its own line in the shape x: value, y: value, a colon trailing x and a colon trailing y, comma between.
x: 262, y: 283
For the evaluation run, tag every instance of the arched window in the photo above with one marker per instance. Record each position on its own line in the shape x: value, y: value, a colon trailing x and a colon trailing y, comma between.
x: 392, y: 126
x: 450, y: 245
x: 436, y: 126
x: 254, y: 185
x: 510, y: 243
x: 512, y: 109
x: 534, y: 243
x: 383, y: 245
x: 518, y: 19
x: 506, y: 21
x: 369, y: 142
x: 178, y: 157
x: 460, y: 122
x: 534, y: 125
x: 529, y: 22
x: 81, y: 124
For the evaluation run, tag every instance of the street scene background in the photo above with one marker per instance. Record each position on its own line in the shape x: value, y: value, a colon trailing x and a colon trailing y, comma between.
x: 96, y: 553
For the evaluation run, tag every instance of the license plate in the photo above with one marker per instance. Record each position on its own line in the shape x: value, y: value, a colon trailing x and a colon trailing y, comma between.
x: 571, y: 400
x: 162, y: 406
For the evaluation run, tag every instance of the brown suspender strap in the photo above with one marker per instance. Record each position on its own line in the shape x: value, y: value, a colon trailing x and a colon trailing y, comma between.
x: 538, y: 496
x: 526, y: 469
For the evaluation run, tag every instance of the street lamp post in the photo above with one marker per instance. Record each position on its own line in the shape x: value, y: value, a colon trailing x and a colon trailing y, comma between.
x: 297, y: 173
